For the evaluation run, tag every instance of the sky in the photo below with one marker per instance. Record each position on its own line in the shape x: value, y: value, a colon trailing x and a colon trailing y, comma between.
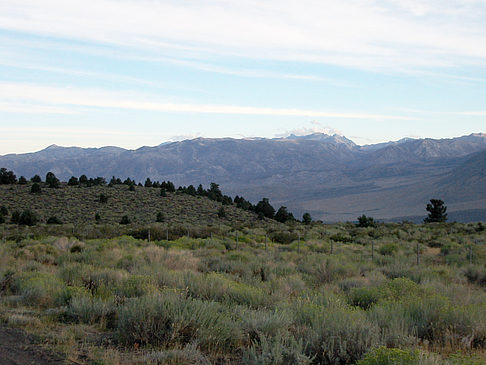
x: 131, y: 73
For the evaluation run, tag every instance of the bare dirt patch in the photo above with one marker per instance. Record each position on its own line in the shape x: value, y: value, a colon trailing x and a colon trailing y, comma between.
x: 18, y: 348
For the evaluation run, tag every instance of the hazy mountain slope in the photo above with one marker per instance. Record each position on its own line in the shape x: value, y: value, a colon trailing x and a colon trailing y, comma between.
x: 328, y: 175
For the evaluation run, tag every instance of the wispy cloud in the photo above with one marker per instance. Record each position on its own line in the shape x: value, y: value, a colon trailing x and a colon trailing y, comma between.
x: 55, y: 96
x: 375, y: 34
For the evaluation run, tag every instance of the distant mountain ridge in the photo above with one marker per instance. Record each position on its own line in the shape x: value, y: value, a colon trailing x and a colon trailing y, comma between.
x: 328, y: 175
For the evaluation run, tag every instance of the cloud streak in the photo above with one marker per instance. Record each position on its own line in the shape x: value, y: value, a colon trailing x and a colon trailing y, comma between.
x: 62, y: 97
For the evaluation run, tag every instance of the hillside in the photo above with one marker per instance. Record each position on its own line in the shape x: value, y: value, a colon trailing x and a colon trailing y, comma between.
x: 80, y: 204
x: 330, y: 176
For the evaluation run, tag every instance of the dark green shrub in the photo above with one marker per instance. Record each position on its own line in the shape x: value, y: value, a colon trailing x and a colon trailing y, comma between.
x: 160, y: 217
x: 26, y: 218
x: 284, y: 237
x: 15, y: 218
x: 364, y: 221
x: 125, y: 220
x: 54, y: 220
x: 3, y: 210
x: 340, y: 237
x: 35, y: 188
x: 7, y: 282
x: 221, y: 213
x: 22, y: 180
x: 103, y: 198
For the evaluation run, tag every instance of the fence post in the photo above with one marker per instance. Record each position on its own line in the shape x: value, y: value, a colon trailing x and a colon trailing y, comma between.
x: 418, y: 254
x: 470, y: 254
x: 331, y: 246
x: 372, y: 250
x: 149, y: 234
x: 298, y: 243
x: 167, y: 234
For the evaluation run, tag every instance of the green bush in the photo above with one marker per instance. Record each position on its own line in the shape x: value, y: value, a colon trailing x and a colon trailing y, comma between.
x: 169, y: 319
x: 189, y: 355
x: 388, y: 249
x: 363, y: 297
x: 341, y: 336
x: 84, y: 308
x: 135, y: 286
x: 41, y: 289
x: 476, y: 275
x: 394, y: 356
x: 265, y: 322
x: 276, y: 351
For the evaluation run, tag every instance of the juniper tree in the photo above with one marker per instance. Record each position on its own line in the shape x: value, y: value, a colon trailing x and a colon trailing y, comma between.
x: 36, y: 179
x: 51, y: 180
x: 437, y: 211
x: 306, y: 218
x: 283, y: 215
x: 263, y: 208
x: 7, y: 177
x: 73, y: 181
x: 35, y: 188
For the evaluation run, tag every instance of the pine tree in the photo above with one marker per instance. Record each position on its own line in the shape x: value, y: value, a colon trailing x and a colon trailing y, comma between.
x: 73, y: 181
x: 437, y: 211
x: 306, y: 218
x: 282, y: 215
x: 263, y: 208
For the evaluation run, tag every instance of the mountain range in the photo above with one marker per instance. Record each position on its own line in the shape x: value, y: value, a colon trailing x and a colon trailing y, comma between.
x: 327, y: 175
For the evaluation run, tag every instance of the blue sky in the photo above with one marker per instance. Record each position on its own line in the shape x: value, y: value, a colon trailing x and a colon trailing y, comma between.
x: 139, y: 72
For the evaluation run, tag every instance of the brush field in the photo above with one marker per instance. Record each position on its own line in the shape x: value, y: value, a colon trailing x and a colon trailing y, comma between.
x: 331, y: 294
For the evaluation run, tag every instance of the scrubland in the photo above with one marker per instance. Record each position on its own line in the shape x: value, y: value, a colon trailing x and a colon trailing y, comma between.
x: 265, y: 294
